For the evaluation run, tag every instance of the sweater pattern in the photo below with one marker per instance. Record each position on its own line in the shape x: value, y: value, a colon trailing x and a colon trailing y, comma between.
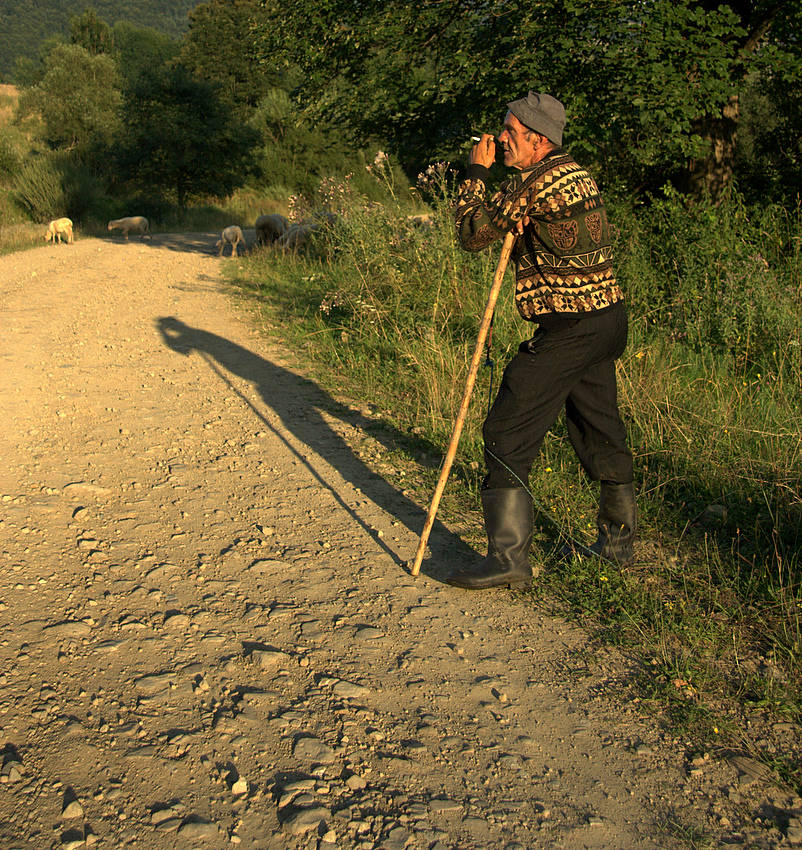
x: 564, y: 259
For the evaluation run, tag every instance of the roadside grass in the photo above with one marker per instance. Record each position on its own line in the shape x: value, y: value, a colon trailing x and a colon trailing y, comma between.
x: 710, y: 389
x: 21, y: 237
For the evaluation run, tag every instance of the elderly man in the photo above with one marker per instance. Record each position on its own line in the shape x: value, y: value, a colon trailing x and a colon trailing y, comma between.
x: 564, y: 282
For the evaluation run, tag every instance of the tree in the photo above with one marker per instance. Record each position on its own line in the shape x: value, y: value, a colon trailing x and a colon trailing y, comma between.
x: 138, y: 50
x: 219, y: 48
x: 651, y: 86
x: 78, y: 99
x: 181, y: 139
x: 91, y: 33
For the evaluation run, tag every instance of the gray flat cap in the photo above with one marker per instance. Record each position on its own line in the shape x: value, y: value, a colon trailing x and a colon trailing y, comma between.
x: 541, y: 113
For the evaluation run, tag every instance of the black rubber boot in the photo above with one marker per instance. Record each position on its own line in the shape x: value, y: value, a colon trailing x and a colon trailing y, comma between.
x: 616, y: 522
x: 508, y: 520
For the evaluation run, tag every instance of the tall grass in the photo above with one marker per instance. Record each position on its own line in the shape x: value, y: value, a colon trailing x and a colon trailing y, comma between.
x: 710, y: 388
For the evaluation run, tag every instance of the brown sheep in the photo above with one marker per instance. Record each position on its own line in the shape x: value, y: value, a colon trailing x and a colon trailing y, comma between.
x: 137, y: 223
x: 269, y: 228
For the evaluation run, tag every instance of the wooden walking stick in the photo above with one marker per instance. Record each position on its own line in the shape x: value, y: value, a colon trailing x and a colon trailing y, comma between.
x: 506, y: 250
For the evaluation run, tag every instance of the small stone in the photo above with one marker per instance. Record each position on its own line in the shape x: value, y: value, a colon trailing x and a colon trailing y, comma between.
x: 153, y: 682
x: 443, y: 804
x: 240, y: 787
x: 305, y: 820
x: 355, y: 783
x: 313, y: 750
x: 69, y: 629
x: 199, y: 830
x: 397, y: 839
x: 349, y: 690
x: 72, y: 809
x: 267, y: 566
x: 270, y: 659
x: 84, y: 488
x: 177, y: 622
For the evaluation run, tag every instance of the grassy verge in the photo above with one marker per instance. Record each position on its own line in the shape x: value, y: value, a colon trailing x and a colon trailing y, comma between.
x: 710, y: 389
x: 21, y: 237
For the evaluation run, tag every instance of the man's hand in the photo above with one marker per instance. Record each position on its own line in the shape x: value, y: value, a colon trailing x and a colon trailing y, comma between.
x: 483, y: 152
x: 519, y: 228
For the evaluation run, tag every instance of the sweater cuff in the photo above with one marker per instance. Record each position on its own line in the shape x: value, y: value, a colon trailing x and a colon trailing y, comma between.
x: 478, y: 172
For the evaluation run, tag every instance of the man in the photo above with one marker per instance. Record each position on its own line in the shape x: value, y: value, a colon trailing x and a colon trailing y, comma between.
x: 564, y: 282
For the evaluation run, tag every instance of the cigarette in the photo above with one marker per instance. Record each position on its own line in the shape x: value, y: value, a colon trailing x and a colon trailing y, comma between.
x: 476, y: 138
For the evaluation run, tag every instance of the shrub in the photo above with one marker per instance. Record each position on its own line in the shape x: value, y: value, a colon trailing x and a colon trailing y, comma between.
x: 39, y: 189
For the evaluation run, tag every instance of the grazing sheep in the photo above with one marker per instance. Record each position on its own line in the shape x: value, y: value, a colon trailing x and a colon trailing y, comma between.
x: 269, y: 228
x: 298, y: 234
x: 137, y: 223
x: 58, y: 230
x: 232, y: 236
x: 424, y: 220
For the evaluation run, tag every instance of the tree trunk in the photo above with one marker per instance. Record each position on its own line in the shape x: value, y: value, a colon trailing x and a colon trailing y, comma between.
x: 712, y: 174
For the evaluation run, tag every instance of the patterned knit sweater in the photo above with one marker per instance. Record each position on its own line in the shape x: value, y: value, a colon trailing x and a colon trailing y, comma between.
x: 564, y: 261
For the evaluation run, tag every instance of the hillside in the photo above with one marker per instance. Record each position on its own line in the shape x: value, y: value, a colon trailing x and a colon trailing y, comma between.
x: 25, y: 24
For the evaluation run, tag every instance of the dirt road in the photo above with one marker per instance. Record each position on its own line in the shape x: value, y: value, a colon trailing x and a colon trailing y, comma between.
x: 208, y: 633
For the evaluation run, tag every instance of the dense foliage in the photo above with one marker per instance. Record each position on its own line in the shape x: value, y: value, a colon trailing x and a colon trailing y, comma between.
x: 700, y: 95
x: 181, y: 138
x: 653, y: 90
x: 25, y: 25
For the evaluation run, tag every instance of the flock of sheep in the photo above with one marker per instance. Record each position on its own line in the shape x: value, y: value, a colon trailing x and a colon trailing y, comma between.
x: 271, y: 229
x: 60, y: 229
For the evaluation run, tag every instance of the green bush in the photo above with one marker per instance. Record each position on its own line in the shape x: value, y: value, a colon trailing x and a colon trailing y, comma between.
x: 39, y: 188
x: 10, y: 160
x: 719, y: 278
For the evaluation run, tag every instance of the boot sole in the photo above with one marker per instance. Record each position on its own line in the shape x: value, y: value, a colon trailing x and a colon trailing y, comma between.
x: 512, y: 584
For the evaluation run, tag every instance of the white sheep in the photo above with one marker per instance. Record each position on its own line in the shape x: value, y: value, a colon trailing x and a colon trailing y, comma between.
x: 232, y: 236
x: 58, y: 230
x: 137, y: 223
x: 270, y: 227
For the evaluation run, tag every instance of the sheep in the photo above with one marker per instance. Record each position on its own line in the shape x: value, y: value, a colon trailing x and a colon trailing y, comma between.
x: 270, y: 227
x: 58, y: 229
x: 298, y: 234
x: 232, y: 236
x: 137, y: 223
x: 424, y: 220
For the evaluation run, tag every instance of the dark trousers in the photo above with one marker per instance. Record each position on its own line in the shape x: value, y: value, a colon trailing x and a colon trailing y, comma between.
x: 569, y: 363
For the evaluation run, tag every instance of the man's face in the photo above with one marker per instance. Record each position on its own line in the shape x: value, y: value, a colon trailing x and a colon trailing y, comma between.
x: 518, y: 143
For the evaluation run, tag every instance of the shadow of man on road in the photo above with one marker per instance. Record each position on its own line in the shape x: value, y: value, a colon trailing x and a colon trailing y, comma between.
x: 299, y: 403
